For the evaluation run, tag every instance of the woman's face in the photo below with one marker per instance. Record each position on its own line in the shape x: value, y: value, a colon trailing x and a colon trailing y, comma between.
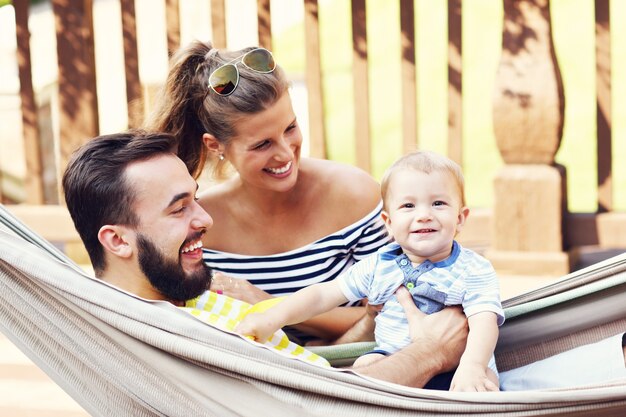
x: 266, y: 147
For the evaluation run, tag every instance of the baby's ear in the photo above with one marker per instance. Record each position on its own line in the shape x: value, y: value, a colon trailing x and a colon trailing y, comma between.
x: 463, y: 215
x: 115, y: 240
x: 387, y: 220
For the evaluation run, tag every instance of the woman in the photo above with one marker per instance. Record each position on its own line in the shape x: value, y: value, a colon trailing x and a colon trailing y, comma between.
x: 281, y: 222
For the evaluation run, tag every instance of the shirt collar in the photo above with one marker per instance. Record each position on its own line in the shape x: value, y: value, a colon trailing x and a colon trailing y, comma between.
x: 392, y: 250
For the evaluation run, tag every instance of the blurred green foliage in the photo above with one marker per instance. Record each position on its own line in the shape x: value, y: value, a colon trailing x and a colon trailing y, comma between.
x: 7, y: 2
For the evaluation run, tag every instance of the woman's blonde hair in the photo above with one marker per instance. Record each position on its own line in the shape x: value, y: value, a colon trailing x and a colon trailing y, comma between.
x: 187, y: 108
x: 427, y: 162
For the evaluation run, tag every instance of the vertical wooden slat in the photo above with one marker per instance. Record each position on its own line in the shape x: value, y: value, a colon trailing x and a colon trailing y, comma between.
x: 32, y: 146
x: 218, y: 23
x: 134, y: 95
x: 314, y: 79
x: 455, y: 81
x: 172, y: 19
x: 603, y: 95
x: 265, y: 23
x: 409, y: 93
x: 78, y: 101
x: 361, y: 85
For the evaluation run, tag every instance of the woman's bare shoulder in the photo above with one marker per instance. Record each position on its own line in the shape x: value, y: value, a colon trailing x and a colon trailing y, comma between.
x: 346, y: 185
x: 216, y: 199
x: 216, y: 191
x: 338, y: 171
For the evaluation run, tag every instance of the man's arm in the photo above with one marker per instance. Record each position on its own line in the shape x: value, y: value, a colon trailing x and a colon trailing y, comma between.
x: 437, y: 343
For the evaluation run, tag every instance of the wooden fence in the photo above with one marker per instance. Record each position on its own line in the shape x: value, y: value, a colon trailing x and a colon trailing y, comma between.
x: 528, y: 229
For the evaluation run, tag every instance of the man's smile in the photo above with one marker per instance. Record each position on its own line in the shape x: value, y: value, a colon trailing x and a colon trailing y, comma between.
x: 192, y: 246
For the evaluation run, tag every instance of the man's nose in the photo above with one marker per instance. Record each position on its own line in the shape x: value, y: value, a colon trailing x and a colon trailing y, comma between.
x: 201, y: 219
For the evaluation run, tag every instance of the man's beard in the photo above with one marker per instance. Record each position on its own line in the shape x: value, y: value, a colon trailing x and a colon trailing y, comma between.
x: 167, y: 276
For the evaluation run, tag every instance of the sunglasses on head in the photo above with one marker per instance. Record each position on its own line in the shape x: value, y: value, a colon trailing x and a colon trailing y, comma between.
x: 225, y: 79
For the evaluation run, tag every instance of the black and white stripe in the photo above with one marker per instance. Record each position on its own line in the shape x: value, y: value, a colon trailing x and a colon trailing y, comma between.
x: 321, y: 261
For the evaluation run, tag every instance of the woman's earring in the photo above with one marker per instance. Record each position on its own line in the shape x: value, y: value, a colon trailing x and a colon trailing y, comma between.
x: 221, y: 156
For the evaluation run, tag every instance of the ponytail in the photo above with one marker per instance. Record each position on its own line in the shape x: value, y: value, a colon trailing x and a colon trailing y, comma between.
x: 187, y: 108
x: 178, y: 104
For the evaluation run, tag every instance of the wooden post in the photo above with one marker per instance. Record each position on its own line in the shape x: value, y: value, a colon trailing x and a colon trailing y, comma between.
x: 530, y: 197
x: 409, y: 93
x: 603, y: 115
x: 314, y: 79
x: 78, y: 101
x: 264, y: 23
x: 134, y: 95
x: 218, y: 23
x: 361, y: 86
x: 455, y: 82
x: 30, y: 126
x: 172, y: 19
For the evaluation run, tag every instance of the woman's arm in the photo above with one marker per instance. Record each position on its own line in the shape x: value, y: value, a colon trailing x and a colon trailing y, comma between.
x: 332, y: 325
x: 238, y: 288
x: 362, y: 330
x: 296, y: 308
x: 328, y: 326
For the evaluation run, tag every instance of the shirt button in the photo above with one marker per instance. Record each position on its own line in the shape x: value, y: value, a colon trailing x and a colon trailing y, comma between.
x: 410, y: 285
x: 403, y: 262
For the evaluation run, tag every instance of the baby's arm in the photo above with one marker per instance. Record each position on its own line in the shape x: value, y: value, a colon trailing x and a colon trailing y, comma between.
x: 296, y: 308
x: 473, y: 373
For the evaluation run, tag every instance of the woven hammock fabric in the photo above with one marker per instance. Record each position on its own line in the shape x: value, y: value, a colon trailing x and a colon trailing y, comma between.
x: 119, y: 355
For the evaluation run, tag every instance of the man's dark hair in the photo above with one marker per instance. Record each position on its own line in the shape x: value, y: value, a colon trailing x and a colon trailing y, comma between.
x: 95, y: 186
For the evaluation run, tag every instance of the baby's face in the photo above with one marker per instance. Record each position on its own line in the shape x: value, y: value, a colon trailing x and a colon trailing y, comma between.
x: 424, y: 213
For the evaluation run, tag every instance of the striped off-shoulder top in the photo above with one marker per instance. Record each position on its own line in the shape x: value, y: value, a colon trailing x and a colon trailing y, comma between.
x: 321, y: 261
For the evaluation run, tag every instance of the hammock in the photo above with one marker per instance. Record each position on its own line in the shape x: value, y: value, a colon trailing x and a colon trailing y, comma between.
x: 120, y: 355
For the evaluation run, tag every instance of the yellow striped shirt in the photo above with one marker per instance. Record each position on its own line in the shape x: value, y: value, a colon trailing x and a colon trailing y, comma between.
x: 226, y: 312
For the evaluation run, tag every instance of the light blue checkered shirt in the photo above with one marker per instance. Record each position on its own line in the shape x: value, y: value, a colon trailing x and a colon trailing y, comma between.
x: 464, y: 278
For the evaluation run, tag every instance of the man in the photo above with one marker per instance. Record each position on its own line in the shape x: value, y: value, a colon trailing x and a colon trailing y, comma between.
x: 134, y: 207
x: 133, y: 203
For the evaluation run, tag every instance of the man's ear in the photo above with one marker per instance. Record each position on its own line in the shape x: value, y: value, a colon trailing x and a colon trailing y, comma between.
x: 212, y: 144
x: 463, y: 215
x: 114, y: 239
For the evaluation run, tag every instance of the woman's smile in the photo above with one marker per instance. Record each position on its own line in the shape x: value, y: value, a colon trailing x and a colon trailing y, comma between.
x: 280, y: 171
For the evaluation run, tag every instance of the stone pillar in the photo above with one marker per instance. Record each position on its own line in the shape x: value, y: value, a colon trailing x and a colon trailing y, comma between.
x: 530, y: 198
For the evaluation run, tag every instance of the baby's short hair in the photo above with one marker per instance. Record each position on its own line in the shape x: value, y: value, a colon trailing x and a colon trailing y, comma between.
x: 427, y: 162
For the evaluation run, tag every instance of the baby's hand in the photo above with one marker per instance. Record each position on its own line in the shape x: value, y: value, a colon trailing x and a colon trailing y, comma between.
x: 256, y: 326
x: 474, y: 377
